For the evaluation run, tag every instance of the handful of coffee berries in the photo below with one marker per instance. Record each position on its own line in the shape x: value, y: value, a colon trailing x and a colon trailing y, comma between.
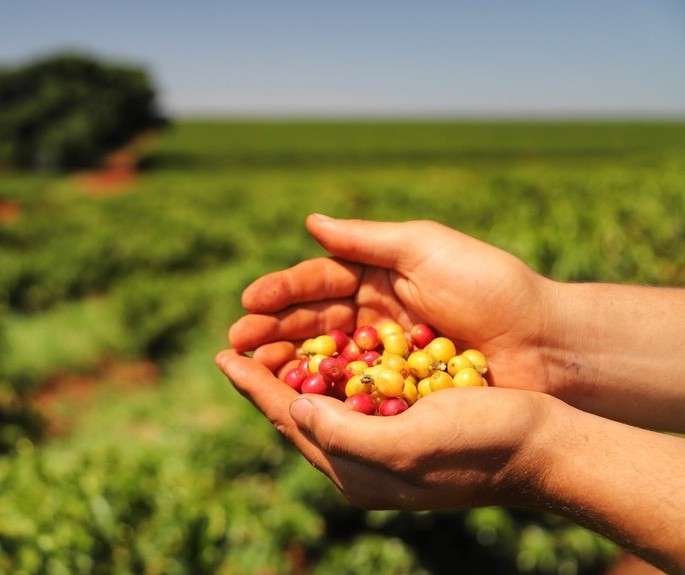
x: 384, y: 370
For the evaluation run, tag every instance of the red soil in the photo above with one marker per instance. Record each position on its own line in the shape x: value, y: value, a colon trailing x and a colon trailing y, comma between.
x: 10, y: 212
x: 120, y: 171
x: 67, y: 396
x: 119, y: 175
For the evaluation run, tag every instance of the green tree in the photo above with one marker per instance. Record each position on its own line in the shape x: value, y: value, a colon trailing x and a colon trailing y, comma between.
x: 68, y: 110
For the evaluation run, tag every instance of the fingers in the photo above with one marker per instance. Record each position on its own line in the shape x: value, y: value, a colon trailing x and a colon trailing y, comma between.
x: 337, y: 430
x: 256, y: 382
x: 391, y: 245
x: 345, y: 433
x: 274, y: 355
x: 273, y: 398
x: 255, y: 330
x: 311, y: 280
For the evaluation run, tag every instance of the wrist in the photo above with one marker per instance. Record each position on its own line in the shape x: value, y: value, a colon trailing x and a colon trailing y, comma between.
x: 615, y: 351
x: 521, y: 482
x: 565, y: 334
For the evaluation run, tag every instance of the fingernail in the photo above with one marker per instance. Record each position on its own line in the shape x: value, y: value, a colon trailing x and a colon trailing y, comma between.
x: 220, y: 359
x: 323, y: 218
x: 301, y: 410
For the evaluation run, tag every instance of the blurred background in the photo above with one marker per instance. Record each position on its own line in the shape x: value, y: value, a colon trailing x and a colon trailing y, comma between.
x: 155, y: 158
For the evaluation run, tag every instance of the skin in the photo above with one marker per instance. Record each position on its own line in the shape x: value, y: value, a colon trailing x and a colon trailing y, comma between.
x: 582, y: 375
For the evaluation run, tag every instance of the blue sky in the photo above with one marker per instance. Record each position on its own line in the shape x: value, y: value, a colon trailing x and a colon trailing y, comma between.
x: 459, y: 57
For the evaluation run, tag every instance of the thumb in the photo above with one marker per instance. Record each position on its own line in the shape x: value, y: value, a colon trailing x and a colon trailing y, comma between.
x: 338, y: 430
x: 392, y: 245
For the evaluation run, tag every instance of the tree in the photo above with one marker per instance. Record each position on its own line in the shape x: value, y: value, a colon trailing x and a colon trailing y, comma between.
x: 69, y: 110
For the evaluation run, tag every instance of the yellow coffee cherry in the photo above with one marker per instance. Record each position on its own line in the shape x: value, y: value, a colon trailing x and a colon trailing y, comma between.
x: 396, y: 343
x: 314, y: 362
x: 442, y: 349
x: 395, y: 362
x: 323, y: 344
x: 373, y: 370
x: 357, y: 366
x: 478, y: 360
x: 440, y: 380
x: 456, y: 363
x: 359, y: 384
x: 410, y: 392
x: 424, y: 387
x: 389, y: 382
x: 306, y: 347
x: 420, y: 363
x: 389, y: 327
x: 468, y: 377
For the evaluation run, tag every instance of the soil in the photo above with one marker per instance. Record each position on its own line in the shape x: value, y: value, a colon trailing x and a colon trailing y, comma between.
x: 65, y: 396
x: 10, y: 212
x: 119, y: 173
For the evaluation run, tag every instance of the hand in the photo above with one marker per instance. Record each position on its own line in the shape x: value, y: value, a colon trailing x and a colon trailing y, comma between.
x: 468, y: 447
x: 403, y: 462
x: 481, y: 446
x: 474, y: 293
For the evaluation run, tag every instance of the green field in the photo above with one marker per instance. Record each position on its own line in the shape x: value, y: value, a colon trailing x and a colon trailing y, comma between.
x: 172, y: 472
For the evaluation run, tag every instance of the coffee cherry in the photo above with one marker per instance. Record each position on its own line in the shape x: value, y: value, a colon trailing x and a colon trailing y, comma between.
x: 396, y: 343
x: 424, y: 387
x: 324, y: 345
x: 384, y: 370
x: 332, y: 369
x: 295, y: 377
x: 370, y: 357
x: 395, y: 362
x: 478, y: 360
x: 468, y: 377
x: 356, y: 367
x: 359, y: 384
x: 351, y: 351
x: 306, y: 347
x: 421, y: 335
x: 420, y: 363
x: 440, y: 380
x: 389, y: 382
x: 366, y: 337
x: 315, y: 383
x: 341, y: 339
x: 314, y: 362
x: 361, y: 402
x: 410, y: 392
x: 389, y: 327
x: 456, y: 363
x: 392, y: 406
x: 442, y: 349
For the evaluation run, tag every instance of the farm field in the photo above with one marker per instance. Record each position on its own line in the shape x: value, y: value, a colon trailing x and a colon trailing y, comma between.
x: 124, y: 449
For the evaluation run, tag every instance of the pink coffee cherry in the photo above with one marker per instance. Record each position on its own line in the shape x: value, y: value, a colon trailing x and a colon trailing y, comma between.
x: 361, y: 402
x: 392, y: 406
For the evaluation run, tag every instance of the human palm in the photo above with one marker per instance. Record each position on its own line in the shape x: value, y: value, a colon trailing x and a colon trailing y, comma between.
x: 469, y: 291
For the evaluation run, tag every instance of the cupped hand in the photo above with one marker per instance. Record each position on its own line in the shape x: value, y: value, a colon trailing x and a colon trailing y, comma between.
x: 460, y: 447
x: 419, y: 271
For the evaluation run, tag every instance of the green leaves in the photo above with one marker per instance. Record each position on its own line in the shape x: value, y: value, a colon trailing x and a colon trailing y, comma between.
x: 183, y: 475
